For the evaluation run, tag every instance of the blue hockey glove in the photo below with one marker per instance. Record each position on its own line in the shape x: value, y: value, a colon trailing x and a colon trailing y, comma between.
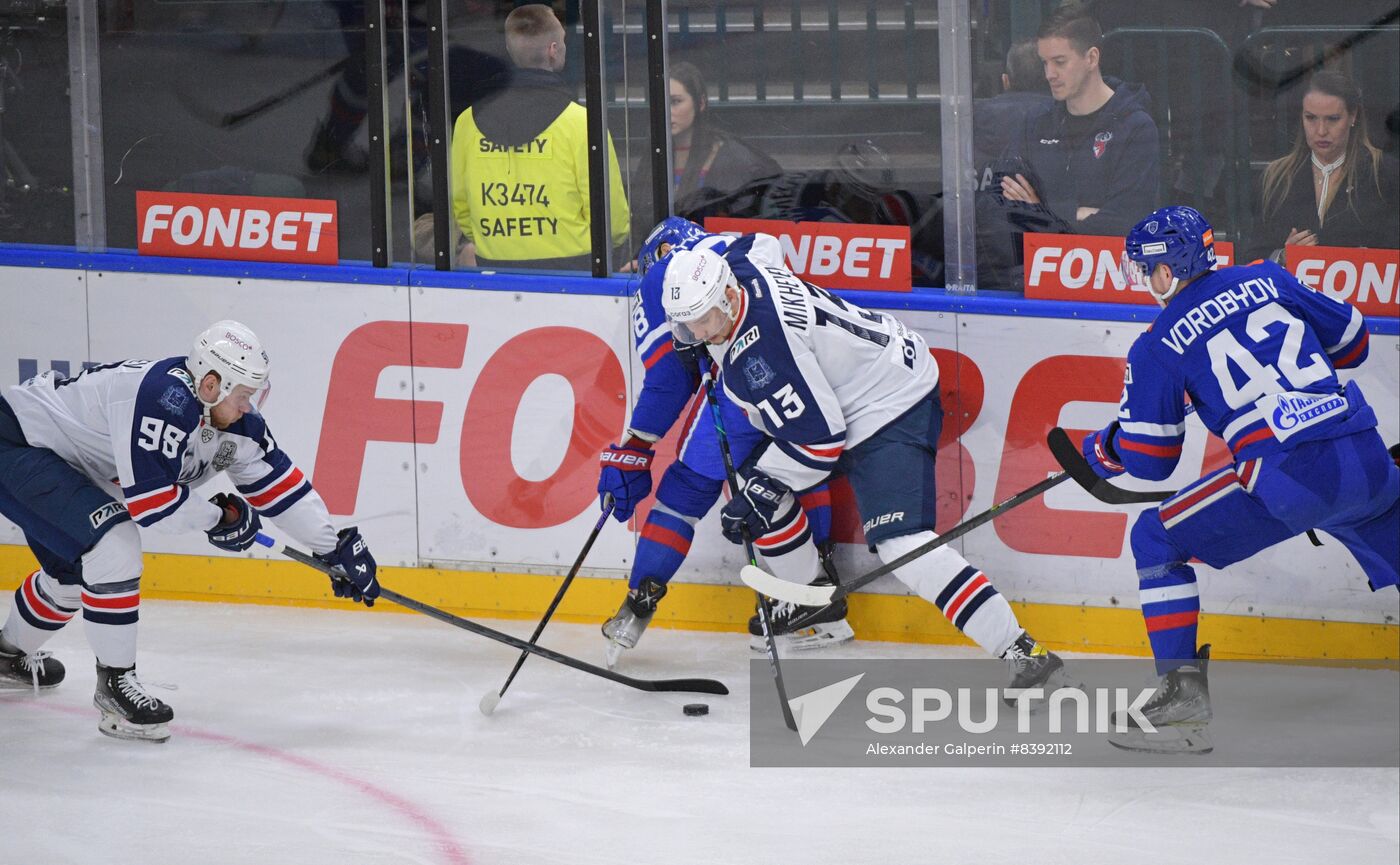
x: 754, y: 509
x: 238, y: 526
x: 626, y: 476
x: 1099, y: 453
x: 351, y: 555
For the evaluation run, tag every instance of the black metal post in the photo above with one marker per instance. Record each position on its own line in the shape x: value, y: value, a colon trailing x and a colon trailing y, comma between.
x: 440, y: 135
x: 380, y: 211
x: 658, y: 111
x: 597, y: 108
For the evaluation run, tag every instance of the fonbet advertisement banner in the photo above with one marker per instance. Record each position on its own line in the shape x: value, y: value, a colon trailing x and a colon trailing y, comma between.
x: 467, y: 433
x: 1087, y: 267
x: 237, y: 227
x: 834, y: 254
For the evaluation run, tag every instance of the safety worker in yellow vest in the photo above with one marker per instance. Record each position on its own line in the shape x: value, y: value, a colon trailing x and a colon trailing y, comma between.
x: 520, y: 160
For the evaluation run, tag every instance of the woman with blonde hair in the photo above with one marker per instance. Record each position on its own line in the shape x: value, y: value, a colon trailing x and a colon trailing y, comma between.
x: 1352, y: 198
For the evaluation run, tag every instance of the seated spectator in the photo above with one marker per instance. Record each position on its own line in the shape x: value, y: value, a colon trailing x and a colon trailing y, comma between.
x: 1334, y: 188
x: 520, y: 189
x: 999, y: 125
x: 1093, y: 157
x: 714, y: 173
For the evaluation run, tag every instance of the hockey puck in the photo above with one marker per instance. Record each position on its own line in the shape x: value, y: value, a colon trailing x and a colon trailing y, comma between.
x: 695, y: 710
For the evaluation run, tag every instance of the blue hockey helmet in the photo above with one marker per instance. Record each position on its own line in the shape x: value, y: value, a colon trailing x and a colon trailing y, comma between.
x: 673, y: 230
x: 1176, y: 236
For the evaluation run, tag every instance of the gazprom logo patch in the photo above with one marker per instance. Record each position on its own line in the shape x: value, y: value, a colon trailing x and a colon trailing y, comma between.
x: 1296, y: 412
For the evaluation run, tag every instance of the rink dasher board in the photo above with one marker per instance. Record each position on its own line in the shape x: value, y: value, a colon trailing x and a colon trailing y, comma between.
x: 461, y: 426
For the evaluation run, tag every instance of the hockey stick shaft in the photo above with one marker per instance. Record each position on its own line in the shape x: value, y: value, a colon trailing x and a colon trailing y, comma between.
x: 765, y: 609
x: 818, y: 595
x: 696, y: 686
x: 238, y: 118
x: 559, y: 595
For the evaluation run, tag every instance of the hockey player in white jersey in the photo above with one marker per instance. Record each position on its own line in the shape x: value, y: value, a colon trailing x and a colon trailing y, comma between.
x: 839, y: 389
x: 85, y: 460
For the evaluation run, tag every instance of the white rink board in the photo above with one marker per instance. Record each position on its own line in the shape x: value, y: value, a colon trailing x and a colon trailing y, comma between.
x: 515, y: 393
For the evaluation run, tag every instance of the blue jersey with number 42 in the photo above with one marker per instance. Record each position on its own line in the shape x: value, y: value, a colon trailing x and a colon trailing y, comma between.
x: 1256, y: 352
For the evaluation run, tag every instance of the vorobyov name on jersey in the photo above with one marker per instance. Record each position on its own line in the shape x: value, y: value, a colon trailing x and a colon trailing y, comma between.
x: 1210, y: 312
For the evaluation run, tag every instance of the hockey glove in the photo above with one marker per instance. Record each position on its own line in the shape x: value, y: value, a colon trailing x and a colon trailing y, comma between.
x: 694, y: 358
x: 351, y: 555
x: 1099, y: 453
x: 625, y: 475
x: 238, y: 526
x: 754, y: 510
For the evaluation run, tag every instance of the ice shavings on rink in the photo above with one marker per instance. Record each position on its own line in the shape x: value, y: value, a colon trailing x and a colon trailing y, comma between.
x: 315, y: 736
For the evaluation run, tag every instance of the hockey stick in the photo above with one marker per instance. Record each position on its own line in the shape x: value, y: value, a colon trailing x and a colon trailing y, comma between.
x: 815, y: 596
x: 694, y: 686
x: 490, y: 700
x: 234, y: 119
x: 765, y: 609
x: 1074, y: 464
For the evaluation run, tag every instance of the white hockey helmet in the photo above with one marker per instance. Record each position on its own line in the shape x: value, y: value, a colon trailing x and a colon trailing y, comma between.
x: 693, y: 295
x: 234, y: 352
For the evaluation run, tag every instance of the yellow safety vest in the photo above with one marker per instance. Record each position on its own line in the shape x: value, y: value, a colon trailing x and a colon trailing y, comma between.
x: 530, y: 201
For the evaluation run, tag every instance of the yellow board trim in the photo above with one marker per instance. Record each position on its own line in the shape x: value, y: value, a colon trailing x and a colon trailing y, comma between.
x: 692, y: 606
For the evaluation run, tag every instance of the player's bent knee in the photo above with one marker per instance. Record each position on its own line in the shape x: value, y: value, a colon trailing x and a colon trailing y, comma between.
x: 1152, y: 546
x: 116, y: 559
x: 688, y: 492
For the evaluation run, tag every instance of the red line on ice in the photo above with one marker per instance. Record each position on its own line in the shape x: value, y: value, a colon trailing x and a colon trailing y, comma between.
x: 442, y: 838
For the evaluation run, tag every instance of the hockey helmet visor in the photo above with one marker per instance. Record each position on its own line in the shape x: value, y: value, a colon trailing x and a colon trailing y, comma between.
x: 235, y: 353
x: 694, y: 297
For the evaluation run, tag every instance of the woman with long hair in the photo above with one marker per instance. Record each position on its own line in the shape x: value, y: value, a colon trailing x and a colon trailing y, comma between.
x: 1334, y: 188
x: 714, y: 173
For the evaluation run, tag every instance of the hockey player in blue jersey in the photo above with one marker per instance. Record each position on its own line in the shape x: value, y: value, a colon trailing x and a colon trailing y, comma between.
x: 1257, y: 354
x: 692, y: 484
x: 86, y: 460
x: 837, y: 388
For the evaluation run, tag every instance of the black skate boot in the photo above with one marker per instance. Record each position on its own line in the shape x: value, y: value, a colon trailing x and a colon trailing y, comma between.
x: 625, y: 628
x: 37, y: 670
x: 1032, y: 666
x: 1179, y: 710
x: 128, y: 711
x: 797, y: 628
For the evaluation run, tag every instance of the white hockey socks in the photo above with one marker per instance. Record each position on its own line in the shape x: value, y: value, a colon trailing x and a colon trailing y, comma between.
x: 787, y: 549
x: 41, y: 607
x: 964, y: 594
x: 111, y: 595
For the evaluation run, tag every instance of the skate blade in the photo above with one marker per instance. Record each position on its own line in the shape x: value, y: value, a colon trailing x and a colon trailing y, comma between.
x: 816, y: 637
x: 613, y: 653
x: 119, y: 728
x: 1184, y: 739
x: 16, y: 685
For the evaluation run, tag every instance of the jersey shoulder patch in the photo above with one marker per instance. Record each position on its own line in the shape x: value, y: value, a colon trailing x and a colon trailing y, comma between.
x: 168, y: 392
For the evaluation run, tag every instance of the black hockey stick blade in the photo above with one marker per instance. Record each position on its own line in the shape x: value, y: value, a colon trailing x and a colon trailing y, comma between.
x: 690, y: 686
x: 1072, y: 461
x: 817, y: 596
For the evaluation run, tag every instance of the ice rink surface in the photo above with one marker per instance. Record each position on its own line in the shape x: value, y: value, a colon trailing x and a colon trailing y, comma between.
x: 315, y: 737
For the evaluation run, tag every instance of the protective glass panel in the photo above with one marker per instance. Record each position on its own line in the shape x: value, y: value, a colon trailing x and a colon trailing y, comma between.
x: 1179, y: 104
x: 819, y: 113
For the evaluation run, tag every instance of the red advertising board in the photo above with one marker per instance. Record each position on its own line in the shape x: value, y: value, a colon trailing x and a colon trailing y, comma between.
x: 237, y: 227
x: 1087, y: 267
x: 1365, y: 278
x: 835, y: 254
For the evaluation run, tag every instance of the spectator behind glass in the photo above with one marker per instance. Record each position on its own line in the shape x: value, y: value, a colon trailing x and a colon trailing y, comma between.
x: 999, y: 124
x: 1094, y: 156
x: 1334, y: 188
x: 714, y: 173
x: 520, y: 161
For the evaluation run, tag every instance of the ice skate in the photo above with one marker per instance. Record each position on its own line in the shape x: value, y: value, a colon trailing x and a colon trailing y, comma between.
x: 18, y: 670
x: 1180, y: 710
x: 800, y: 629
x: 128, y: 710
x: 625, y: 628
x: 1033, y: 666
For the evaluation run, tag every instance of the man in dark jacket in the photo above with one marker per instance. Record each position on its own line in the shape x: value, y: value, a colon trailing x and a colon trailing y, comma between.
x: 1093, y: 157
